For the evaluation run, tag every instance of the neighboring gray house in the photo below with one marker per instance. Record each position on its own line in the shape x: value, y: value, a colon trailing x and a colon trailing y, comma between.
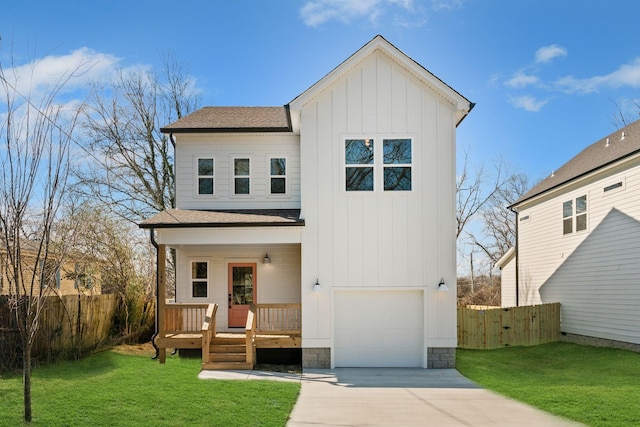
x: 578, y: 241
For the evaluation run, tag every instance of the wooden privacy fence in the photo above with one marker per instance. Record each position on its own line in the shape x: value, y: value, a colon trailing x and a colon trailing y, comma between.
x: 67, y: 324
x: 502, y: 327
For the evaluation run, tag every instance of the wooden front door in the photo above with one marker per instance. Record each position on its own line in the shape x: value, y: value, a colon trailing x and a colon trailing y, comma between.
x: 242, y: 292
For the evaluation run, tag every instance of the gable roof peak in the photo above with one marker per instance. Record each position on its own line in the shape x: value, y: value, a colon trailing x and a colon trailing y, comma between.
x: 379, y: 43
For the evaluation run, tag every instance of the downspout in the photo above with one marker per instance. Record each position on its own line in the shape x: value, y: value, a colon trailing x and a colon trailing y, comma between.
x: 155, y: 335
x: 173, y: 141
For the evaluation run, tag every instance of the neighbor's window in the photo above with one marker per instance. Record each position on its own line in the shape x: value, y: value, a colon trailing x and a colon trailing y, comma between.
x: 574, y: 219
x: 278, y: 175
x: 358, y: 158
x: 83, y: 277
x: 241, y: 176
x: 205, y: 176
x: 50, y: 271
x: 199, y: 279
x: 396, y: 155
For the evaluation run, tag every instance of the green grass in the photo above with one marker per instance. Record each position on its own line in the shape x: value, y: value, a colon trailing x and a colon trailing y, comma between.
x: 593, y: 385
x: 111, y: 389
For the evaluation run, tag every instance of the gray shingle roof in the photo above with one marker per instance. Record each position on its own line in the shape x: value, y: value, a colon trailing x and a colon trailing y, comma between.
x: 233, y: 119
x: 182, y: 218
x: 601, y: 153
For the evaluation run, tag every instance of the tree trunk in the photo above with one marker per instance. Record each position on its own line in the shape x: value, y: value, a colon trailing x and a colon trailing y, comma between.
x: 26, y: 371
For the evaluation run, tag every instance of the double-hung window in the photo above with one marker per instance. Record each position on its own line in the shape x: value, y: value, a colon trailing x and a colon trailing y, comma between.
x: 574, y: 215
x: 397, y: 164
x: 199, y: 279
x: 359, y: 160
x: 370, y: 166
x: 241, y: 176
x: 278, y: 175
x: 205, y: 176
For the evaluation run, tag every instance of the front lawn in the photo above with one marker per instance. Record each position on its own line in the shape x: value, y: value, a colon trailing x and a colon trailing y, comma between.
x: 111, y: 389
x: 593, y: 385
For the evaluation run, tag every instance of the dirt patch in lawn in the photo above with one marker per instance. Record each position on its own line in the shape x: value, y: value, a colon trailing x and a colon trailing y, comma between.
x: 145, y: 349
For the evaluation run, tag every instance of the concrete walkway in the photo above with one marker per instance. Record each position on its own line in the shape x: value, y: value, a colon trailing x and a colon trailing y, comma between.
x: 397, y: 397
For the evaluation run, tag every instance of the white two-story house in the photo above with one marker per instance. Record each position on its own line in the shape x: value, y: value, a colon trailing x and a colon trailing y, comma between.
x: 332, y: 217
x: 578, y: 242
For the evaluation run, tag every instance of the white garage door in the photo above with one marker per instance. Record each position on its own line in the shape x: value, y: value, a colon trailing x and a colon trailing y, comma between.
x: 378, y: 329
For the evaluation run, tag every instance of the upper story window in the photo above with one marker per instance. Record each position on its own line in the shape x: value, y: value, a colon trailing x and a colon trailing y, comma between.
x: 358, y: 157
x: 241, y: 176
x: 574, y: 216
x: 83, y: 277
x: 369, y: 166
x: 278, y: 175
x: 199, y: 279
x: 397, y: 164
x: 205, y: 176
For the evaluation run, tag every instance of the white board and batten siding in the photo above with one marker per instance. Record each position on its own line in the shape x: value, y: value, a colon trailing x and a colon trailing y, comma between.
x: 594, y: 274
x: 277, y: 283
x: 378, y: 241
x: 259, y: 148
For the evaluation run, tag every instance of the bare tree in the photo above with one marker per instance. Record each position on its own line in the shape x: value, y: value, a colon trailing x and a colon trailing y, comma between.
x: 119, y: 260
x: 36, y: 134
x: 473, y: 190
x: 131, y: 171
x: 499, y: 226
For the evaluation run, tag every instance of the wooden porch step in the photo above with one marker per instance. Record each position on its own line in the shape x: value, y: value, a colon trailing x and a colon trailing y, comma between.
x: 228, y: 348
x: 227, y: 366
x: 228, y: 341
x: 228, y: 357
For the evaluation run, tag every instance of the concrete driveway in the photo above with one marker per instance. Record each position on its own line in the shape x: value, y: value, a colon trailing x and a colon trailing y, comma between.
x: 406, y: 397
x: 396, y: 397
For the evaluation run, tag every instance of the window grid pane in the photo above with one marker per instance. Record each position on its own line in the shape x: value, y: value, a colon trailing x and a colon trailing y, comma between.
x: 359, y: 179
x: 358, y: 151
x: 397, y: 151
x: 397, y: 179
x: 567, y: 209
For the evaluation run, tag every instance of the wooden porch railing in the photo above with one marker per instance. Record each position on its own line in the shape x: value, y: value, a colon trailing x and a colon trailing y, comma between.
x: 250, y: 333
x: 278, y: 319
x: 183, y: 318
x: 208, y: 330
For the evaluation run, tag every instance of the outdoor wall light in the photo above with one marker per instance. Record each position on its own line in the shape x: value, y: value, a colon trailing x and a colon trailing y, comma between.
x: 442, y: 287
x: 316, y: 287
x: 266, y: 259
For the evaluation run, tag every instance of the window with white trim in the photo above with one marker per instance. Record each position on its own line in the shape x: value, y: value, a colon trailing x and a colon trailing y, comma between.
x: 397, y: 164
x: 574, y: 217
x: 241, y: 175
x: 370, y: 166
x: 199, y: 279
x: 278, y: 175
x: 359, y: 161
x: 205, y: 176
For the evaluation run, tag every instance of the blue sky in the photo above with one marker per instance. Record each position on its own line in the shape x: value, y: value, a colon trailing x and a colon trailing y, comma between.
x: 546, y: 75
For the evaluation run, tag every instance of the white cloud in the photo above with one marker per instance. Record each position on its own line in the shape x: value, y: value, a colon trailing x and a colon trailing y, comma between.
x: 547, y: 53
x: 45, y: 74
x: 317, y: 12
x: 520, y: 79
x: 528, y: 103
x: 627, y: 75
x: 447, y: 4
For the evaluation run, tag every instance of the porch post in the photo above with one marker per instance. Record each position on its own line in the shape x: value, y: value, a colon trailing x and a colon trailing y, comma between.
x: 162, y: 296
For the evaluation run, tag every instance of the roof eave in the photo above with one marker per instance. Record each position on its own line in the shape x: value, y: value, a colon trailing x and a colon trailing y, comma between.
x: 228, y: 130
x: 515, y: 205
x: 222, y: 225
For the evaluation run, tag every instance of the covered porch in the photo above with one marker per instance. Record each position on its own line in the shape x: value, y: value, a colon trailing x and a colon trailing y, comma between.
x: 193, y: 326
x: 230, y: 300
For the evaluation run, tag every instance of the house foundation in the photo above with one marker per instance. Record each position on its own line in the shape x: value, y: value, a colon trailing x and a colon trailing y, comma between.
x: 316, y: 358
x: 441, y: 358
